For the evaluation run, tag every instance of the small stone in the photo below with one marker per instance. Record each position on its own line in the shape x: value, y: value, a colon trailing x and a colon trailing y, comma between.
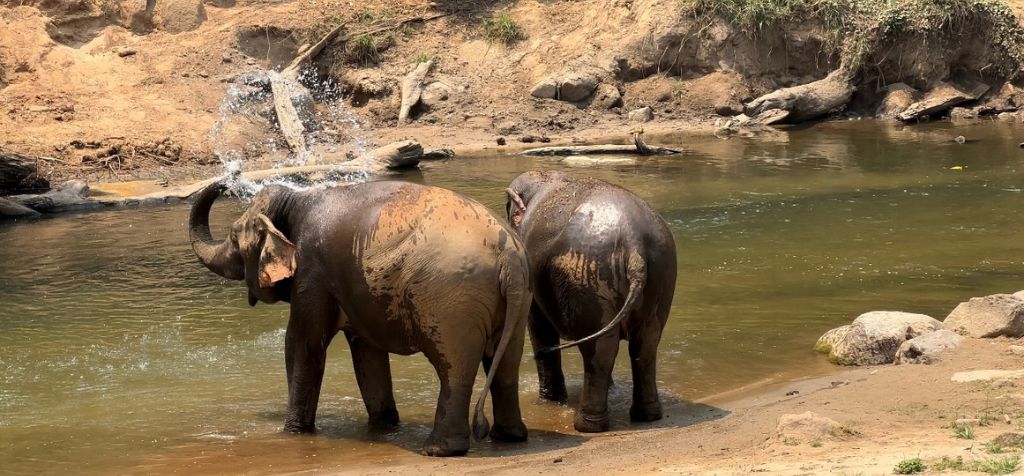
x: 576, y: 86
x: 126, y: 53
x: 204, y: 74
x: 1016, y: 349
x: 546, y: 89
x: 644, y: 114
x: 607, y: 96
x: 960, y: 140
x: 501, y: 141
x: 435, y: 93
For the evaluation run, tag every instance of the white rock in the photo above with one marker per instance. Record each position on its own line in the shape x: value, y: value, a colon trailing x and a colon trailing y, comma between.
x: 644, y: 114
x: 546, y: 89
x: 874, y: 337
x: 989, y: 316
x: 434, y: 93
x: 925, y: 349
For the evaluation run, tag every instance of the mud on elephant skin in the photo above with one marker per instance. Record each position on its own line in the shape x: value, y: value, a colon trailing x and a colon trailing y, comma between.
x: 603, y: 266
x: 397, y: 268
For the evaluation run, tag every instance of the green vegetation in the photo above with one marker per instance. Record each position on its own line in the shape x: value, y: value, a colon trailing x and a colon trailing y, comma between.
x: 964, y: 432
x: 856, y: 27
x: 843, y: 431
x: 994, y: 448
x: 909, y: 466
x: 421, y: 57
x: 815, y: 443
x: 1003, y: 465
x: 501, y: 28
x: 363, y: 50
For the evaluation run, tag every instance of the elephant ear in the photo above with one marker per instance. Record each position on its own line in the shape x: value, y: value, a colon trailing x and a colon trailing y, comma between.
x: 277, y: 258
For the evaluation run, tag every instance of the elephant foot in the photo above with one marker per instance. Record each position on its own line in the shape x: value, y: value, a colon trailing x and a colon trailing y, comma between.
x: 299, y: 428
x: 444, y: 447
x: 648, y: 412
x: 509, y: 434
x: 591, y: 423
x: 385, y: 420
x: 554, y: 393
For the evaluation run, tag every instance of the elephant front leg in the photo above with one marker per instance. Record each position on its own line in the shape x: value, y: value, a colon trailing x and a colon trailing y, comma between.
x: 310, y: 330
x: 373, y: 373
x: 543, y: 335
x: 598, y: 360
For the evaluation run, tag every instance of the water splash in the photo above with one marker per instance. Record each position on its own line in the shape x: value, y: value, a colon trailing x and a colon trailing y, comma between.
x: 329, y: 126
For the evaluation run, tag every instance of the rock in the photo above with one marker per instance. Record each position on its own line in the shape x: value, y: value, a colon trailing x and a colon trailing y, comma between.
x: 584, y: 161
x: 985, y: 375
x: 942, y: 98
x: 178, y: 16
x: 806, y: 427
x: 804, y: 102
x: 962, y: 113
x: 9, y: 209
x: 1010, y: 440
x: 508, y: 127
x: 729, y: 109
x: 607, y: 96
x: 547, y: 88
x: 1016, y: 349
x: 435, y: 93
x: 874, y: 337
x: 988, y: 316
x: 1007, y: 98
x: 924, y: 349
x: 363, y: 84
x: 644, y: 114
x: 575, y: 87
x: 1019, y: 294
x: 898, y: 97
x: 501, y: 141
x: 125, y: 52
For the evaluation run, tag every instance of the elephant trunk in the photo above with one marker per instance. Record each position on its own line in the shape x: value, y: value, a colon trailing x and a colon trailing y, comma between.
x: 218, y: 256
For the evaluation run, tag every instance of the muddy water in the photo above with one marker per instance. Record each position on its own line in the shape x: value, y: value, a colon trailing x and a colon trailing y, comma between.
x: 119, y: 353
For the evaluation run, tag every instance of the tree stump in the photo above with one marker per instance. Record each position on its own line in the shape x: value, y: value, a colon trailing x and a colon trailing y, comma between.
x: 18, y: 174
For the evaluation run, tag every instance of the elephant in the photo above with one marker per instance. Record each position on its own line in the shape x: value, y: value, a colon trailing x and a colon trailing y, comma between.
x: 603, y: 265
x: 398, y: 268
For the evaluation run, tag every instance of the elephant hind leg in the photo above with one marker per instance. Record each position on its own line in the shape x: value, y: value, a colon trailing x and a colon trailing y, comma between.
x: 373, y: 374
x: 643, y: 356
x: 457, y: 373
x: 543, y: 335
x: 598, y: 361
x: 508, y: 419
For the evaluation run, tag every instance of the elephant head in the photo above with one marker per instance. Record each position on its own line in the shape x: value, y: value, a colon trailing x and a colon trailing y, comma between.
x: 524, y: 190
x: 256, y: 250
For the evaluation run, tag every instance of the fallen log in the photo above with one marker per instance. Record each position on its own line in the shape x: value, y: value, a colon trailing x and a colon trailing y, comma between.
x: 287, y: 117
x: 71, y: 195
x: 412, y: 89
x: 639, y: 147
x: 19, y: 174
x: 9, y: 209
x: 803, y: 102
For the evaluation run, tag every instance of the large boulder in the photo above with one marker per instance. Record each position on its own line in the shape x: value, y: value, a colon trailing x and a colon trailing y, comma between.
x: 874, y: 337
x: 989, y: 316
x: 571, y: 86
x: 607, y: 96
x: 926, y: 348
x: 898, y: 97
x: 943, y: 98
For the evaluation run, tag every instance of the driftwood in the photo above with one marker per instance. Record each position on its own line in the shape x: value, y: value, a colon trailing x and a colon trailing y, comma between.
x: 287, y: 117
x: 70, y: 196
x: 9, y: 209
x: 638, y: 147
x: 803, y: 102
x: 412, y: 89
x: 18, y: 174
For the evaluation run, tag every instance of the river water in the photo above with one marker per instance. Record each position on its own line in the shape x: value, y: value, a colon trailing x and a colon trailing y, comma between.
x: 120, y: 353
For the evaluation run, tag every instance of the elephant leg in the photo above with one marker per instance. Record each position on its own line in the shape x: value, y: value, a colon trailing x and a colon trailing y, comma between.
x: 598, y: 360
x: 549, y: 365
x: 373, y: 374
x: 450, y: 436
x: 311, y: 327
x: 508, y: 420
x: 643, y: 356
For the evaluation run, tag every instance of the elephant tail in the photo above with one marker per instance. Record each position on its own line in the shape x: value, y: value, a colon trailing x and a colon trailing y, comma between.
x: 636, y: 272
x: 517, y: 306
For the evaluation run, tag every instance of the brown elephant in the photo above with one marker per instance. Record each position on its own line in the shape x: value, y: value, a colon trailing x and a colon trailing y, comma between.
x: 398, y: 268
x: 603, y: 265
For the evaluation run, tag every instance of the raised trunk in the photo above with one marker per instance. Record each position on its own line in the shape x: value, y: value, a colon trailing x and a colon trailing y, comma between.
x: 218, y: 256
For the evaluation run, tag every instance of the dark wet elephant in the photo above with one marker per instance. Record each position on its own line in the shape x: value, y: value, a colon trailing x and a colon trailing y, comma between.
x: 603, y: 265
x: 398, y: 268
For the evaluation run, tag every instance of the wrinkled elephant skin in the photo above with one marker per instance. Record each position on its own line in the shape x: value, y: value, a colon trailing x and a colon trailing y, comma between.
x: 603, y: 265
x: 398, y: 268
